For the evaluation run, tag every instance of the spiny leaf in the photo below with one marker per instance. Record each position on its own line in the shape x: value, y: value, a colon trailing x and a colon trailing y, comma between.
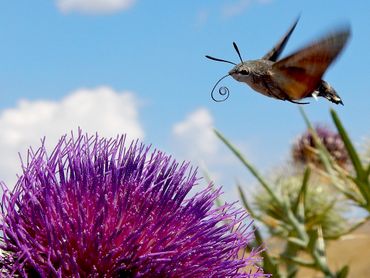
x: 254, y: 172
x: 245, y: 202
x: 300, y: 261
x: 319, y: 255
x: 303, y: 190
x: 297, y: 241
x: 350, y: 229
x: 323, y: 153
x: 343, y: 272
x: 269, y: 265
x: 356, y: 161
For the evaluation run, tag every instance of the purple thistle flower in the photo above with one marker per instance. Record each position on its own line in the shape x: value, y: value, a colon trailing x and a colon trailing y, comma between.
x: 98, y: 208
x: 303, y: 149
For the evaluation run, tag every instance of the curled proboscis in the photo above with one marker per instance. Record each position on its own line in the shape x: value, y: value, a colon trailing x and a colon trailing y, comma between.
x: 223, y: 91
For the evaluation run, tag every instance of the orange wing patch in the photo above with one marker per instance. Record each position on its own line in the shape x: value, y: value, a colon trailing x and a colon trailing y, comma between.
x: 299, y: 74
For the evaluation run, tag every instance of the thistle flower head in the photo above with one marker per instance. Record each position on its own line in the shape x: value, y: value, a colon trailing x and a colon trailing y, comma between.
x: 101, y: 208
x: 304, y: 148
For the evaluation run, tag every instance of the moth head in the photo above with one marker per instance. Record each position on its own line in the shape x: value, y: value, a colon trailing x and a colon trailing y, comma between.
x: 237, y: 72
x: 241, y: 72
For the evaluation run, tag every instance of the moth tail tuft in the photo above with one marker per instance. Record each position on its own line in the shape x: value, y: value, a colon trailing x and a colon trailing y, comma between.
x: 328, y: 92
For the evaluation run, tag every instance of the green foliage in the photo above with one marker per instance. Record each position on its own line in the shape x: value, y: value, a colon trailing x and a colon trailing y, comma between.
x: 312, y: 200
x: 355, y: 185
x: 303, y: 211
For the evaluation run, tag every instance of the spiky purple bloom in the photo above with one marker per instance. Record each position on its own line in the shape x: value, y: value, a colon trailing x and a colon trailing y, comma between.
x: 303, y: 149
x: 99, y: 208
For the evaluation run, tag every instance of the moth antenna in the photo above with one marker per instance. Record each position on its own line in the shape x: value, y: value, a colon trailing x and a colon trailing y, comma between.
x: 237, y: 51
x: 219, y: 60
x: 222, y: 91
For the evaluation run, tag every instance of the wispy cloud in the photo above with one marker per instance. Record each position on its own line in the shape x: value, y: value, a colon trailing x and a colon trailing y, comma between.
x: 229, y: 9
x: 238, y: 7
x: 201, y: 18
x: 94, y: 6
x: 102, y: 110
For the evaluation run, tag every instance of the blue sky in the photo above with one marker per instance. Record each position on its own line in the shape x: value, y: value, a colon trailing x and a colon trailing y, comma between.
x: 139, y: 67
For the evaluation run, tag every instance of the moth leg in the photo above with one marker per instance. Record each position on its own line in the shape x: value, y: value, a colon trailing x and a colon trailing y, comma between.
x: 296, y: 102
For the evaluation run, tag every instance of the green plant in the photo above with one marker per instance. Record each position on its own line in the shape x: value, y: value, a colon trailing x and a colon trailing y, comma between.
x: 354, y: 184
x: 304, y: 219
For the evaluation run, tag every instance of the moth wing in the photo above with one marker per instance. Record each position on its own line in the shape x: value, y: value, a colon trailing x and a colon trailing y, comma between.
x: 274, y: 53
x: 299, y: 74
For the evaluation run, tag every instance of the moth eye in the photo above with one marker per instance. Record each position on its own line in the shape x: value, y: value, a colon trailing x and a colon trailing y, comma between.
x: 244, y: 72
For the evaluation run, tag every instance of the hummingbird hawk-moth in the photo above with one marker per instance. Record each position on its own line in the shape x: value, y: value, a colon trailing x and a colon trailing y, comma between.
x: 294, y: 77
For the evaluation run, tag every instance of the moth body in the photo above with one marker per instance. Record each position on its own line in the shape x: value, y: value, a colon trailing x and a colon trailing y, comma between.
x: 294, y: 77
x: 258, y: 74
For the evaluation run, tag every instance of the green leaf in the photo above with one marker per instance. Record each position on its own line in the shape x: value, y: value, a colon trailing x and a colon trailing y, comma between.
x: 254, y: 172
x: 319, y: 254
x: 257, y: 234
x: 323, y: 153
x: 354, y: 196
x: 343, y: 272
x: 355, y: 226
x: 362, y: 177
x: 269, y: 264
x: 245, y: 202
x: 320, y: 243
x: 312, y: 240
x: 297, y: 241
x: 292, y: 274
x: 364, y: 189
x: 300, y: 201
x: 300, y: 261
x: 356, y: 161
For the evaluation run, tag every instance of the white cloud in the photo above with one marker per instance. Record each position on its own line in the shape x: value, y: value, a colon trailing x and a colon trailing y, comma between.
x: 101, y: 110
x: 194, y: 140
x: 238, y: 7
x: 195, y: 134
x: 94, y: 6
